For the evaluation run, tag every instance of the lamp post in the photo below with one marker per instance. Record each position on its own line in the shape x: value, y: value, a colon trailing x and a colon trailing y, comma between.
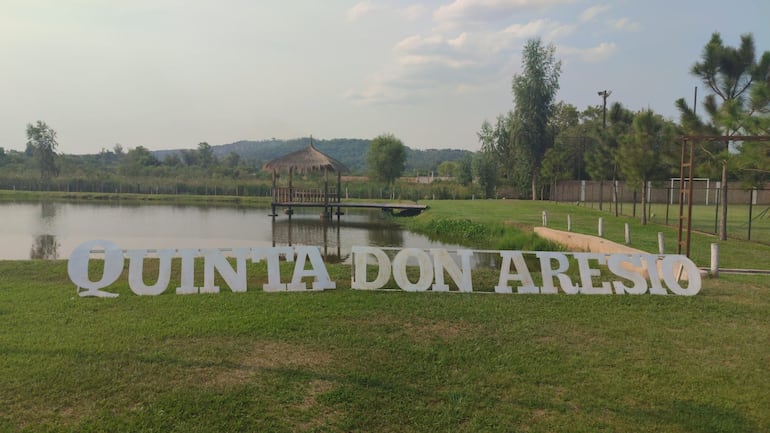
x: 604, y: 94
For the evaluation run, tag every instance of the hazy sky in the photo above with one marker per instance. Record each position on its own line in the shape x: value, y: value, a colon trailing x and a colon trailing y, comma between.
x: 171, y: 73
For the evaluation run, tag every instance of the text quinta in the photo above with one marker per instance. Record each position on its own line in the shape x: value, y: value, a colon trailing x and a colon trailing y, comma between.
x: 628, y: 273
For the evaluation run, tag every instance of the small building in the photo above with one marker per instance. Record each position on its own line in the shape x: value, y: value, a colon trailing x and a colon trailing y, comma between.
x: 303, y: 161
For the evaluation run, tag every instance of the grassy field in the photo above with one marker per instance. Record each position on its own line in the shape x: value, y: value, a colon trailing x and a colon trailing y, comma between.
x: 345, y: 360
x: 392, y: 361
x: 734, y: 253
x: 704, y: 219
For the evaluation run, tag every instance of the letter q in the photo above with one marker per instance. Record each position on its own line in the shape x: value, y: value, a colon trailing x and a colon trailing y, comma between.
x: 77, y: 268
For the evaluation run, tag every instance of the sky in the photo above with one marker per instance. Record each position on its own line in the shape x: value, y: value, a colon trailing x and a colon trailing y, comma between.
x: 169, y: 74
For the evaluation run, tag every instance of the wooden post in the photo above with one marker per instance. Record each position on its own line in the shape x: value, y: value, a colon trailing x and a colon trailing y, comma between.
x: 327, y: 209
x: 661, y: 249
x: 715, y: 260
x: 339, y: 193
x: 628, y: 234
x: 601, y: 227
x: 291, y: 188
x: 569, y: 222
x: 545, y: 218
x: 275, y: 196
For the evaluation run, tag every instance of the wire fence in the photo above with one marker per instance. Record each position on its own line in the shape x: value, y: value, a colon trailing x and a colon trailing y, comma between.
x: 748, y: 209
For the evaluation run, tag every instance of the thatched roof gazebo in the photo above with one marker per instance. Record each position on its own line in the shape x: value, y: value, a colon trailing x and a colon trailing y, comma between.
x: 303, y: 161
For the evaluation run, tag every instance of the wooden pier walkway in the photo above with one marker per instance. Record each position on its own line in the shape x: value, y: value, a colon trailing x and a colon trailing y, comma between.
x: 384, y: 206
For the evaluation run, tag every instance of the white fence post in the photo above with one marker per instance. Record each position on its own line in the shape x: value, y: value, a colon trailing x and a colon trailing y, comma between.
x: 661, y: 248
x: 601, y: 227
x: 715, y: 260
x: 628, y: 234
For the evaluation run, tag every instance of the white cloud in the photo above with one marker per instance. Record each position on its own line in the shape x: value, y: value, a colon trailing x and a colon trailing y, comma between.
x: 368, y: 7
x: 451, y: 60
x: 361, y: 9
x: 624, y: 24
x: 414, y: 12
x: 547, y: 29
x: 590, y: 55
x: 591, y: 13
x: 486, y: 10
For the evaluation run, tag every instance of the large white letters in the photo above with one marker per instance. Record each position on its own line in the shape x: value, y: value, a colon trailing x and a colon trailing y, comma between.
x: 77, y: 268
x: 136, y: 272
x: 644, y: 272
x: 522, y: 274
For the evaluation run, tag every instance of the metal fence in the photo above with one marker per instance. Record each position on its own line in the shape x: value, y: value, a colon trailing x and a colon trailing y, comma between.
x: 748, y: 209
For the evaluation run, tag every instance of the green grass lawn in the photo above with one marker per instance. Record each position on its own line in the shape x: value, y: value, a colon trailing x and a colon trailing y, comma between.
x: 392, y: 361
x: 525, y: 214
x: 345, y: 360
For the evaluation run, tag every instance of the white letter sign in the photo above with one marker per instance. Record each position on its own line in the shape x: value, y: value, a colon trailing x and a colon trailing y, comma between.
x: 412, y: 269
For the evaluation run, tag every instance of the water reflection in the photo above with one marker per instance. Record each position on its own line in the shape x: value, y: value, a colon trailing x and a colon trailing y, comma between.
x: 45, y: 245
x: 383, y: 236
x: 48, y: 230
x: 321, y: 233
x: 327, y: 234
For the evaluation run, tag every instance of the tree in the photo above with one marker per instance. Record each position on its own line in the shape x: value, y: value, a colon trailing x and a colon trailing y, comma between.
x: 564, y: 159
x: 137, y: 160
x: 601, y: 158
x: 189, y: 157
x: 496, y: 142
x: 533, y: 93
x: 645, y: 152
x: 233, y: 160
x: 485, y: 171
x: 739, y: 92
x: 41, y: 141
x: 206, y: 157
x: 386, y: 158
x: 465, y: 170
x: 447, y: 169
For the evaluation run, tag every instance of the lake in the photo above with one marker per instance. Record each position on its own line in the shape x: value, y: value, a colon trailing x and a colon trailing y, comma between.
x: 51, y: 230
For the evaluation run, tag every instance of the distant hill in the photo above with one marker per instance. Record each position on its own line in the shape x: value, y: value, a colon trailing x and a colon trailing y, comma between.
x: 349, y: 151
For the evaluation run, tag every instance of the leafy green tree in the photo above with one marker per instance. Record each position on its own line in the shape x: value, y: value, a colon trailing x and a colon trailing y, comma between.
x: 41, y: 141
x: 645, y: 152
x: 233, y: 160
x: 386, y: 158
x: 485, y: 170
x: 496, y: 142
x: 565, y: 157
x: 533, y: 93
x: 137, y: 160
x: 447, y: 169
x: 465, y: 170
x: 190, y: 157
x: 172, y: 160
x: 206, y: 157
x: 739, y: 93
x: 601, y: 157
x: 754, y: 162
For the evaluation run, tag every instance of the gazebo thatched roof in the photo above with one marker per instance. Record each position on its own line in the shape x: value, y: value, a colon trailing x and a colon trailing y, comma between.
x: 305, y: 160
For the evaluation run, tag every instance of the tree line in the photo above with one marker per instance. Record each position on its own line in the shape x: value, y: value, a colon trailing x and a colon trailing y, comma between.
x: 523, y: 152
x: 541, y: 141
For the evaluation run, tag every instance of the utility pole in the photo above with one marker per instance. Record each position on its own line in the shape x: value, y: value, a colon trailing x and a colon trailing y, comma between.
x: 604, y: 94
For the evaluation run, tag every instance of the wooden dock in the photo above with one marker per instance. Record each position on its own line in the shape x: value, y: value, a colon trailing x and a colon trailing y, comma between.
x: 400, y: 209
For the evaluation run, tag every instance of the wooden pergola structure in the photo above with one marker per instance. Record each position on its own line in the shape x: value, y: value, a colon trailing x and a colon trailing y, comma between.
x: 306, y: 160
